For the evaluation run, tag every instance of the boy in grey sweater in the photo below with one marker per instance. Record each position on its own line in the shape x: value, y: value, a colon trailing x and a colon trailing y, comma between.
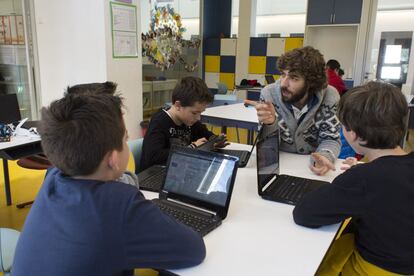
x: 303, y: 107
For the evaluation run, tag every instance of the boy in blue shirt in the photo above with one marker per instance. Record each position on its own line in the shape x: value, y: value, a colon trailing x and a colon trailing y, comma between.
x: 377, y: 195
x: 83, y: 221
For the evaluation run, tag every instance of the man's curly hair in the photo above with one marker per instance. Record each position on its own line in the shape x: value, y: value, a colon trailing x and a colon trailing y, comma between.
x: 307, y: 62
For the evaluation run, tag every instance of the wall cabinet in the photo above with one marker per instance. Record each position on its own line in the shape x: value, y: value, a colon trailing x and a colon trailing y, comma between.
x: 321, y: 12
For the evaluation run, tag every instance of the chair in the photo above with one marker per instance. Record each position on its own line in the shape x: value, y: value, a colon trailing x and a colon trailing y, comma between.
x: 135, y: 146
x: 222, y: 88
x: 33, y: 162
x: 8, y: 242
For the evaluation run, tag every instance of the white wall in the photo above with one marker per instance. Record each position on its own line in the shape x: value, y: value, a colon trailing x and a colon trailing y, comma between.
x: 75, y: 46
x: 127, y: 72
x: 71, y: 44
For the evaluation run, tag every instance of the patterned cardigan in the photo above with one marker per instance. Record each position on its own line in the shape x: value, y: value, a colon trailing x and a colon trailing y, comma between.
x: 317, y: 132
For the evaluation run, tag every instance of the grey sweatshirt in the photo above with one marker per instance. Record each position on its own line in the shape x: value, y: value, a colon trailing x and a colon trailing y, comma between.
x: 317, y: 132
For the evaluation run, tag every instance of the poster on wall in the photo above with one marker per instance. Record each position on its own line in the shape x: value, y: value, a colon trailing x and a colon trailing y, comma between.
x: 124, y: 30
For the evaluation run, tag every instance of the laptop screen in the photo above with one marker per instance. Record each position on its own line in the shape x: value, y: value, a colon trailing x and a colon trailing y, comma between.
x: 202, y: 176
x: 9, y: 109
x: 267, y: 150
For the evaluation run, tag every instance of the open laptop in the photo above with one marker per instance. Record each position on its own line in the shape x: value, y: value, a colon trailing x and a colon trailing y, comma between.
x: 151, y: 179
x: 197, y: 188
x: 243, y: 155
x: 272, y: 185
x: 10, y: 111
x: 269, y: 79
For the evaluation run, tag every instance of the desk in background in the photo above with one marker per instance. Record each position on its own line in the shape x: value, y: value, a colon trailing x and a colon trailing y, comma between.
x: 234, y: 115
x: 17, y: 148
x: 259, y: 237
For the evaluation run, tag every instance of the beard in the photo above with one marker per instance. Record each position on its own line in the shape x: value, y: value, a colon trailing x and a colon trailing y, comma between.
x: 292, y: 97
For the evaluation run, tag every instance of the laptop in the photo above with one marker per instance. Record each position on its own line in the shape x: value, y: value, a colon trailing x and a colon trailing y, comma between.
x: 274, y: 186
x: 197, y: 188
x: 151, y: 179
x: 10, y: 111
x: 243, y: 155
x: 269, y: 79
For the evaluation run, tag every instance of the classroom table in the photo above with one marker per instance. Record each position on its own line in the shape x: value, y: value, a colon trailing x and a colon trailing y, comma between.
x: 259, y: 237
x: 232, y: 115
x: 18, y: 147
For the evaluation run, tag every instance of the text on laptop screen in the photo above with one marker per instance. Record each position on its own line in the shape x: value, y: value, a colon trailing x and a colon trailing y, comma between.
x: 205, y: 178
x: 267, y: 157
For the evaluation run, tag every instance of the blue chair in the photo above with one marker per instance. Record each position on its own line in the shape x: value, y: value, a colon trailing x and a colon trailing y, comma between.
x: 8, y: 242
x: 135, y: 146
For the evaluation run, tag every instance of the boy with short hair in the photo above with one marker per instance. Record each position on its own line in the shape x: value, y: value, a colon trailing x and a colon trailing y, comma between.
x: 83, y: 222
x: 179, y: 125
x: 377, y: 195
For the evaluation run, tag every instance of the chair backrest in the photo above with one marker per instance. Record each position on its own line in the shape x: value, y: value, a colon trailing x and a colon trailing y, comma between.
x: 135, y: 146
x: 222, y: 88
x: 8, y: 242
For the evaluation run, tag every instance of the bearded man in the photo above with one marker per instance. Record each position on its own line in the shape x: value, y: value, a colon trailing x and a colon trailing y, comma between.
x: 303, y: 107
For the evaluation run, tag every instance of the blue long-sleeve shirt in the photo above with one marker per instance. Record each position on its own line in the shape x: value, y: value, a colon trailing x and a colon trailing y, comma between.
x: 89, y: 227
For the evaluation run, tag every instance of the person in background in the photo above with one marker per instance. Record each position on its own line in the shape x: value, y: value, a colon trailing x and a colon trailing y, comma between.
x: 85, y: 222
x: 178, y: 125
x: 303, y: 107
x: 377, y: 195
x: 332, y: 72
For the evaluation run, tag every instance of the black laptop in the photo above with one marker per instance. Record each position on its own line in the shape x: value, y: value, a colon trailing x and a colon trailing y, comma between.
x: 243, y: 155
x: 272, y: 185
x: 151, y: 179
x: 10, y: 111
x: 198, y: 187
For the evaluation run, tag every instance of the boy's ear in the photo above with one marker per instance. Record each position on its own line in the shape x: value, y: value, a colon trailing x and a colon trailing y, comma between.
x: 177, y: 105
x: 353, y: 136
x: 113, y: 160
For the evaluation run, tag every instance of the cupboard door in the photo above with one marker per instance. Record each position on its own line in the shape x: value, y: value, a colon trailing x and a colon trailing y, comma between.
x: 347, y: 12
x: 320, y: 12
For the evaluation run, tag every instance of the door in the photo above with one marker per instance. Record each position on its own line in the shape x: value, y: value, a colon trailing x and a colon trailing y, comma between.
x: 320, y: 12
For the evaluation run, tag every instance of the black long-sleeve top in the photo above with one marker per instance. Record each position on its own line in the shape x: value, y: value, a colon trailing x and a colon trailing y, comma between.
x: 380, y: 197
x: 163, y: 134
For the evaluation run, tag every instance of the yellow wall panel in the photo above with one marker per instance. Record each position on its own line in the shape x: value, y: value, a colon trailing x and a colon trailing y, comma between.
x: 212, y: 64
x: 257, y: 65
x: 293, y: 43
x: 228, y: 79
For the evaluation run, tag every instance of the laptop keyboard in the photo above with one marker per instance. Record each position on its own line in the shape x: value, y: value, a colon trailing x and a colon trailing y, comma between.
x: 153, y: 182
x: 290, y: 188
x: 198, y: 223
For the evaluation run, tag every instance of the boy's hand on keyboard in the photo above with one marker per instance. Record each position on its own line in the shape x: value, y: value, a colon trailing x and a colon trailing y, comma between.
x: 321, y: 164
x: 222, y: 143
x: 199, y: 142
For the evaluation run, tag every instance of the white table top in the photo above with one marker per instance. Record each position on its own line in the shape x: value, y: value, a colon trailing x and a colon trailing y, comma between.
x: 259, y: 237
x: 18, y: 141
x: 236, y: 112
